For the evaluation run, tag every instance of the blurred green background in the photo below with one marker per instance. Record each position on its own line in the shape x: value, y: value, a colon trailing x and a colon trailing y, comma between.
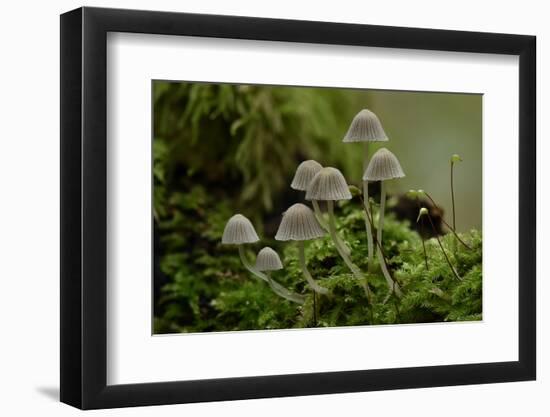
x: 220, y: 149
x: 425, y: 129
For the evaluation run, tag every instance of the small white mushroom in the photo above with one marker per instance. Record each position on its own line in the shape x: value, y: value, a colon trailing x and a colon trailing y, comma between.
x: 366, y: 127
x: 304, y: 174
x: 302, y: 178
x: 268, y: 260
x: 330, y: 185
x: 239, y: 230
x: 383, y: 166
x: 299, y: 224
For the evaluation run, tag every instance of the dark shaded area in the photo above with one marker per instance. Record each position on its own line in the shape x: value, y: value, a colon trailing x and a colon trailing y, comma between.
x: 407, y: 209
x: 49, y: 392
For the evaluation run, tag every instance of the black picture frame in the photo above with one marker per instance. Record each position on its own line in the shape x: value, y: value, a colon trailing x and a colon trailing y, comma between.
x: 84, y: 207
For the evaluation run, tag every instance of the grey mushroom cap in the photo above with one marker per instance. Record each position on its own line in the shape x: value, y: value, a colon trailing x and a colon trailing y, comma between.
x: 239, y: 230
x: 268, y: 260
x: 365, y: 127
x: 383, y: 165
x: 304, y: 174
x: 328, y: 184
x: 299, y: 223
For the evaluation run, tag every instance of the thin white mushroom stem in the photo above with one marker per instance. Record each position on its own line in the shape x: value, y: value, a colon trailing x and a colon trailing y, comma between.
x: 370, y: 245
x: 381, y: 212
x: 302, y: 258
x: 275, y: 286
x: 319, y: 214
x: 341, y: 251
x: 281, y: 291
x: 324, y: 224
x: 392, y: 284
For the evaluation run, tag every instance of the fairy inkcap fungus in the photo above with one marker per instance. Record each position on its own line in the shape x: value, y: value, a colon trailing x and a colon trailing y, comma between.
x: 304, y: 174
x: 268, y: 260
x: 299, y: 224
x: 383, y: 166
x: 365, y: 127
x: 329, y: 185
x: 239, y: 230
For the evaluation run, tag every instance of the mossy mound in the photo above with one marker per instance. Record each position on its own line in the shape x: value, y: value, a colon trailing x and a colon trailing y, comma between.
x: 229, y: 298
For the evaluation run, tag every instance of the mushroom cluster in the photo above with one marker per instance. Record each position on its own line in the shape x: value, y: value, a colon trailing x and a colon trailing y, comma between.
x: 240, y: 231
x: 327, y: 185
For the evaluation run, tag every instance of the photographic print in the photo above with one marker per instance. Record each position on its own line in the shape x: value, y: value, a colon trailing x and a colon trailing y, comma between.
x: 290, y: 207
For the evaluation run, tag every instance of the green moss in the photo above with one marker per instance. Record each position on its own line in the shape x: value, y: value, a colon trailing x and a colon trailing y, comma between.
x: 227, y: 297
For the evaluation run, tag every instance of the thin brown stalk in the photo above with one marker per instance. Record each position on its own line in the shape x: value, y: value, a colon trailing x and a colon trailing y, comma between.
x: 447, y: 224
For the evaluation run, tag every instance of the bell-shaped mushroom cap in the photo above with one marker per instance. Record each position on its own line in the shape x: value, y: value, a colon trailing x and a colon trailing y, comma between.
x: 299, y: 223
x: 304, y: 174
x: 383, y: 165
x: 239, y: 230
x: 328, y: 184
x: 268, y: 260
x: 365, y: 127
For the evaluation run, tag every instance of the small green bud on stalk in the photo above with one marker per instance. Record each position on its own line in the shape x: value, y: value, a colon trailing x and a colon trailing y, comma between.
x: 456, y: 158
